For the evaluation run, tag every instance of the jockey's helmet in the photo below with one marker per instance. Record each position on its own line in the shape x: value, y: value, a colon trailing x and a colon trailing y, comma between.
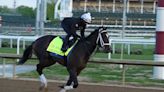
x: 86, y: 17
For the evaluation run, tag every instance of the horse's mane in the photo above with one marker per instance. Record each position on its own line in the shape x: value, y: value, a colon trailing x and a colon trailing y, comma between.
x: 96, y: 30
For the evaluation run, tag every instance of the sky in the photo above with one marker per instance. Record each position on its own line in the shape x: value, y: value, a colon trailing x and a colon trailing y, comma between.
x: 10, y: 3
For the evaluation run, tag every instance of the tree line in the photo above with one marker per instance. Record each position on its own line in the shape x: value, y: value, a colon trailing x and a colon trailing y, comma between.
x: 28, y: 11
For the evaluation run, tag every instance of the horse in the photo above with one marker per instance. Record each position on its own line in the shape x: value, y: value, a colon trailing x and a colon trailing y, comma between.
x: 76, y: 60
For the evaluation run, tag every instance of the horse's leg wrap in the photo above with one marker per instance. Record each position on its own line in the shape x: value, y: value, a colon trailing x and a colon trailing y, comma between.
x: 62, y: 90
x: 66, y: 88
x: 43, y: 80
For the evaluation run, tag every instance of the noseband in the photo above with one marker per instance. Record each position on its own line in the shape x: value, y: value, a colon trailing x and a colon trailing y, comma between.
x: 99, y: 38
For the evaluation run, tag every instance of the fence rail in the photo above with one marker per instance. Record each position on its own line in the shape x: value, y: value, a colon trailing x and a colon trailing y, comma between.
x: 93, y: 60
x: 114, y: 30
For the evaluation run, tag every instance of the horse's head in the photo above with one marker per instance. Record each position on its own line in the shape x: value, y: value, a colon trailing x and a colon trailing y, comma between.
x: 103, y: 39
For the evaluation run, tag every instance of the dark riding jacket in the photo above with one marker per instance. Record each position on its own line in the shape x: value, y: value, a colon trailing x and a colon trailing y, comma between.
x: 71, y: 25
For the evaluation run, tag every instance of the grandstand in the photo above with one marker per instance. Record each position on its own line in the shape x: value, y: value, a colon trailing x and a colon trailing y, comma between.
x: 110, y: 11
x: 140, y: 15
x: 134, y: 6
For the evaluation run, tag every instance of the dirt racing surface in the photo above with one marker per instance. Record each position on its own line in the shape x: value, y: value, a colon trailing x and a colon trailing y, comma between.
x: 31, y: 85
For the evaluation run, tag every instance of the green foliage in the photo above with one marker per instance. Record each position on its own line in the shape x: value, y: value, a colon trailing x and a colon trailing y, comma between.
x: 25, y: 11
x: 50, y: 10
x: 4, y: 9
x: 30, y: 12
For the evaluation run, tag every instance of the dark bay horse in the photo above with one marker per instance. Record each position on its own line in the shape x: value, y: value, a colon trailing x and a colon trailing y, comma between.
x: 76, y: 60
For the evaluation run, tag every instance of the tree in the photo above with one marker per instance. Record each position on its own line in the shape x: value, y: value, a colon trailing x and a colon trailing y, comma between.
x: 26, y: 11
x: 4, y: 9
x: 50, y: 10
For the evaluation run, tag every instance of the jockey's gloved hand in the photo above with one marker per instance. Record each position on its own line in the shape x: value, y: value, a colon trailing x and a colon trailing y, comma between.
x: 104, y: 28
x: 82, y: 38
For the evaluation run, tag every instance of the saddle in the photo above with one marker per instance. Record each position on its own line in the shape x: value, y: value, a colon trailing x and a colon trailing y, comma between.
x: 56, y: 44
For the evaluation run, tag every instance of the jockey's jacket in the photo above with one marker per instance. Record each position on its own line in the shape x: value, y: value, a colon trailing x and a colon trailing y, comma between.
x: 71, y: 25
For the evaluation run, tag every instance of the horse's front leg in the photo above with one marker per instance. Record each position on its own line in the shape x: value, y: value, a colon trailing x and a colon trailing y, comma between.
x: 72, y: 81
x: 72, y: 78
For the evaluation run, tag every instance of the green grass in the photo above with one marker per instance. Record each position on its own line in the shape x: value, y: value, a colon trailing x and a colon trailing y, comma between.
x: 10, y: 50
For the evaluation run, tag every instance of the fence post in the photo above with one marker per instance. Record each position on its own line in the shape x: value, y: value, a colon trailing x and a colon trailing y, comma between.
x: 129, y: 49
x: 24, y: 44
x: 11, y: 43
x: 18, y: 45
x: 123, y: 74
x: 3, y: 69
x: 0, y: 43
x: 14, y: 69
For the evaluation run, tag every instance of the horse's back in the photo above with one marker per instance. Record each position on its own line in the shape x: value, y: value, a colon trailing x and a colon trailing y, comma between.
x: 41, y: 44
x: 45, y: 38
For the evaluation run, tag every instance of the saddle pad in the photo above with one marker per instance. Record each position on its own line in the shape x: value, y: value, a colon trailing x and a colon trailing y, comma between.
x: 56, y: 45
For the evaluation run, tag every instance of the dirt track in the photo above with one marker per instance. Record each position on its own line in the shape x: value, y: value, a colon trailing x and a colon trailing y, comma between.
x: 10, y: 85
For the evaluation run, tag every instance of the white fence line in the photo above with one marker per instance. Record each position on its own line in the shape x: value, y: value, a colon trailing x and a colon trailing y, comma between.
x: 145, y: 31
x: 127, y: 26
x: 129, y: 42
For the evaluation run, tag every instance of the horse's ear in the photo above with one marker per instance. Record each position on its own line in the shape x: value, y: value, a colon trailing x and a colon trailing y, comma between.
x: 100, y: 27
x: 104, y: 28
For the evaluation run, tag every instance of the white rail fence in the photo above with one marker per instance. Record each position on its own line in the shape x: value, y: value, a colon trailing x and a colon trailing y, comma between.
x: 130, y: 42
x: 114, y: 30
x: 18, y: 40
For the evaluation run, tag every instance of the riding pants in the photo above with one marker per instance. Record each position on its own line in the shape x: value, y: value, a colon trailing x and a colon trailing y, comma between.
x: 69, y: 34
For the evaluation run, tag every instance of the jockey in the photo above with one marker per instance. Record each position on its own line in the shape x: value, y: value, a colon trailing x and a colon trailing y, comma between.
x: 71, y: 25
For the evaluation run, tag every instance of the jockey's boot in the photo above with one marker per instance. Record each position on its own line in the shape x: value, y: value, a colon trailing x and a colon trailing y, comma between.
x: 64, y: 49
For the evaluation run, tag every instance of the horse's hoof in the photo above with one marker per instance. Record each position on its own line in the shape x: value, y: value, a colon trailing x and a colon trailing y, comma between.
x: 42, y: 87
x: 62, y: 90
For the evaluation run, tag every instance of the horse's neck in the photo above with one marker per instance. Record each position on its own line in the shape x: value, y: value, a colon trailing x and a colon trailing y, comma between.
x: 92, y: 38
x: 91, y: 41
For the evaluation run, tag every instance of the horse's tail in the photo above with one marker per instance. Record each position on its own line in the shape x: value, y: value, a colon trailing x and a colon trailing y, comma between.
x: 26, y: 55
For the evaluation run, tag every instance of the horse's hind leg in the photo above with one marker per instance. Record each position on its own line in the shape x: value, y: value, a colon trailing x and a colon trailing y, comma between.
x: 43, y: 79
x: 43, y: 62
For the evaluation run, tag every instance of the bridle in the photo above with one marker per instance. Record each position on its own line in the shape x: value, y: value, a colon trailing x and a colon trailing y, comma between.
x: 99, y: 38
